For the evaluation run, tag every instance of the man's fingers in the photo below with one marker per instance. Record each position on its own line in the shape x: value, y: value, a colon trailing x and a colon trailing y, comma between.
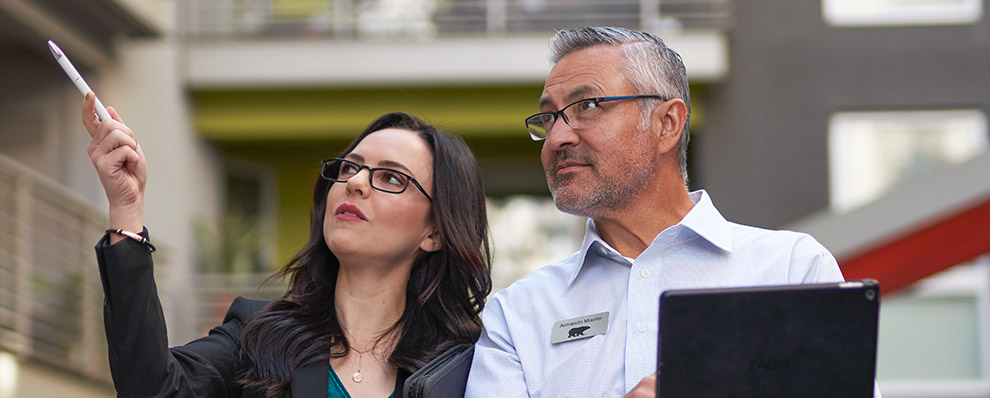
x: 647, y: 388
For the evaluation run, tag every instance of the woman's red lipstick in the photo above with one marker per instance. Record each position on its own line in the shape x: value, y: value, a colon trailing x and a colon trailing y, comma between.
x: 347, y: 211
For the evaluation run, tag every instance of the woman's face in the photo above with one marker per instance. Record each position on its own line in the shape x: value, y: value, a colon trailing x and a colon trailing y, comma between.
x: 365, y: 224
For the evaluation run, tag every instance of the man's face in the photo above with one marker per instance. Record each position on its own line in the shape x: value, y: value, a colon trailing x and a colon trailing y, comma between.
x: 596, y: 170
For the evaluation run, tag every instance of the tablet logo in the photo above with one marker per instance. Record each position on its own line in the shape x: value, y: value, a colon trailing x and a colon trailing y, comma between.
x: 578, y: 331
x: 769, y: 364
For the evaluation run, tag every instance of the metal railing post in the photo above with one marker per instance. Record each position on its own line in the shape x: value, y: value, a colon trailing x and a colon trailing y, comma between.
x: 649, y: 15
x: 91, y: 337
x: 343, y: 18
x: 496, y: 21
x: 23, y: 255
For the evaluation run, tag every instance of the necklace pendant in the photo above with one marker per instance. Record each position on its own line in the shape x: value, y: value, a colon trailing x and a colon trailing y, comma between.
x: 357, y: 377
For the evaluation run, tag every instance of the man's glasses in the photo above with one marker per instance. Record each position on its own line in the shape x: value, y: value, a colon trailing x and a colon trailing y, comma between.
x: 580, y: 114
x: 381, y: 178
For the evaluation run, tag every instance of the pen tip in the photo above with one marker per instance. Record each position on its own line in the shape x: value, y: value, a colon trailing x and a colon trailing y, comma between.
x: 56, y: 52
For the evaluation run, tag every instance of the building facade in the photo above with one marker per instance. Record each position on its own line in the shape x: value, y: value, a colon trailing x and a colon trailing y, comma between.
x: 863, y: 125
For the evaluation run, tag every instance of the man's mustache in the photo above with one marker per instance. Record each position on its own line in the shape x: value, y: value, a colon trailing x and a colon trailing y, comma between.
x: 566, y: 155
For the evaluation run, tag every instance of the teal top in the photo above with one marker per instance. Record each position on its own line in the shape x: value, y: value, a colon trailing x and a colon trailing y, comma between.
x: 335, y: 389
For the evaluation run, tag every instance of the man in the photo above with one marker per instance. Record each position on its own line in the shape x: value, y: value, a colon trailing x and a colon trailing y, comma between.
x: 615, y: 111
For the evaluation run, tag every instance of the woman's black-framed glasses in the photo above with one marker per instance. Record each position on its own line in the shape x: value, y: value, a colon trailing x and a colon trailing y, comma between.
x: 579, y: 114
x: 382, y: 178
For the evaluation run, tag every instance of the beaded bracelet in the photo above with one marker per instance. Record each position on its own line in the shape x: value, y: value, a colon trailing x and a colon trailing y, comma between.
x: 132, y: 235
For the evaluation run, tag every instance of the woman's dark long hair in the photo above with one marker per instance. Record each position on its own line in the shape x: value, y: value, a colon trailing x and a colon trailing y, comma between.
x: 444, y: 296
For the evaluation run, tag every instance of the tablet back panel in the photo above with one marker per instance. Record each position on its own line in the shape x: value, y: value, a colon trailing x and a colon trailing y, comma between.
x: 784, y: 341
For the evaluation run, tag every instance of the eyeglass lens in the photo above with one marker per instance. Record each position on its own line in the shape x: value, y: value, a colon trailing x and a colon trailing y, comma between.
x: 577, y: 115
x: 387, y: 180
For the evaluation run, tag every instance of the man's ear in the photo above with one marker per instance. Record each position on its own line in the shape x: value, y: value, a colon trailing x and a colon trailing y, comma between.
x: 430, y: 242
x: 668, y: 121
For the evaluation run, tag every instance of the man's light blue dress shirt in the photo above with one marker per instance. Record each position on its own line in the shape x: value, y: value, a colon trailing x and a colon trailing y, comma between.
x: 515, y: 357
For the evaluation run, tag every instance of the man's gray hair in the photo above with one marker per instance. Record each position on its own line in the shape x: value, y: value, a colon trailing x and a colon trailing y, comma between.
x: 651, y: 67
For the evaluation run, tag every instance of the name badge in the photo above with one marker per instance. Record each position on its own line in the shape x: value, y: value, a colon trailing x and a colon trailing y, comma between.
x: 579, y: 328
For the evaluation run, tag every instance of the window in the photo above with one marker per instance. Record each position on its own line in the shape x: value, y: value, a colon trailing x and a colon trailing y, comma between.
x: 933, y: 338
x: 240, y: 242
x: 901, y: 12
x: 870, y: 152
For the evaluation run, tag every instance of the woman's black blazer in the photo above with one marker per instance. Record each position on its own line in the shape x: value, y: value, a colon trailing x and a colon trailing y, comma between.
x: 142, y: 364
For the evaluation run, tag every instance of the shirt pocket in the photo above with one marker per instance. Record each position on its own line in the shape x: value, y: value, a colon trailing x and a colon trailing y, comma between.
x: 573, y: 369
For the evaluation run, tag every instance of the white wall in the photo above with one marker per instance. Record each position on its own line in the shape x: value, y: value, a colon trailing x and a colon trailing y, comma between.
x: 24, y: 379
x: 146, y: 86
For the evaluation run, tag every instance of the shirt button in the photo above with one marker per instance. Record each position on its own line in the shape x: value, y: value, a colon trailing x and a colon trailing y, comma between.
x: 641, y: 328
x: 604, y: 251
x: 644, y: 273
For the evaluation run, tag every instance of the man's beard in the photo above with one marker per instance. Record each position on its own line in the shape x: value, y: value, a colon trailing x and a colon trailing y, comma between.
x: 602, y: 195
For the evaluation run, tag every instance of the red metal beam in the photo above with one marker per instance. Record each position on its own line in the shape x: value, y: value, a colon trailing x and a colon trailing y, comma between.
x: 908, y: 258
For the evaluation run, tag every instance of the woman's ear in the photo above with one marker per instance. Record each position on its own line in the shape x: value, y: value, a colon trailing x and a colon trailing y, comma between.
x: 431, y: 242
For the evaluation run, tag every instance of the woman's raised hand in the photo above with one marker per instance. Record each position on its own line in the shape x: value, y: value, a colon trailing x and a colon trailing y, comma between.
x: 120, y: 164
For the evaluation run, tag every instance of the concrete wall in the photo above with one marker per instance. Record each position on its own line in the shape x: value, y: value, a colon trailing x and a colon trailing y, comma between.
x: 144, y: 80
x: 763, y: 153
x: 26, y: 379
x: 185, y: 182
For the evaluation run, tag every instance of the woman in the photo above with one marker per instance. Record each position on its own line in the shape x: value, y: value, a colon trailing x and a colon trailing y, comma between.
x: 395, y: 272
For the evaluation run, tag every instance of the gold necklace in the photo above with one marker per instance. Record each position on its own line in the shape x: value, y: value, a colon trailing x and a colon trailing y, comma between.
x: 357, y: 376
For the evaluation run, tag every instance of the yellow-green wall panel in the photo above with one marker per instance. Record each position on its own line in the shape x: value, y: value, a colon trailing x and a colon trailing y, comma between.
x: 321, y: 114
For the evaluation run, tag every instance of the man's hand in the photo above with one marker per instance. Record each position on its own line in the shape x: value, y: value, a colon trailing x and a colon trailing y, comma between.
x: 647, y: 388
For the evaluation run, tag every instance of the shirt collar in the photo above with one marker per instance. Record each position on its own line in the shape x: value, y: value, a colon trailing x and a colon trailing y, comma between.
x: 591, y: 240
x: 703, y: 219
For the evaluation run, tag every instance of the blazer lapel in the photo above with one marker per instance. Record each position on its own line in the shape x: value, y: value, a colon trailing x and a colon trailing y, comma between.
x: 311, y: 380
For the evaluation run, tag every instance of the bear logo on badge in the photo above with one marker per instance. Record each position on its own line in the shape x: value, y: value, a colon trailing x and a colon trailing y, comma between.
x: 578, y: 331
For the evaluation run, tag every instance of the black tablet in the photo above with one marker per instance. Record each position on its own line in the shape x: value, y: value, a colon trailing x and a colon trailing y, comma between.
x: 817, y: 340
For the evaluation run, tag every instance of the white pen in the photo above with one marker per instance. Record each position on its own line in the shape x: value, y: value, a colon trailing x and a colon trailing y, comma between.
x: 70, y: 70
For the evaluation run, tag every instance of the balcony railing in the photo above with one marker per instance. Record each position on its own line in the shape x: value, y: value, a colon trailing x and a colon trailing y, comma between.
x: 50, y: 294
x: 426, y: 19
x: 217, y: 291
